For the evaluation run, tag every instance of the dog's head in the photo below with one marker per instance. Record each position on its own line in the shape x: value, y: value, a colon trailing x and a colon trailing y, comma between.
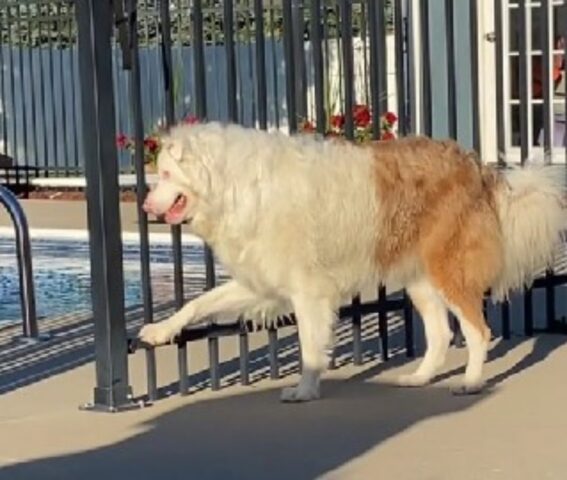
x: 184, y: 173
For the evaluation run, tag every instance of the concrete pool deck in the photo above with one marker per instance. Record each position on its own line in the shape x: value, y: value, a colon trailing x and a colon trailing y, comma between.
x: 362, y: 428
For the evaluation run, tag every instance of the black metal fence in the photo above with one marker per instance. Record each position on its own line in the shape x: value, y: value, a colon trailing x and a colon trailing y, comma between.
x: 302, y: 30
x: 243, y: 50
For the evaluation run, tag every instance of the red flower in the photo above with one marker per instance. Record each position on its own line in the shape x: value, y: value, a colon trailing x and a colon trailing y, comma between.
x: 191, y: 119
x: 388, y: 136
x: 151, y: 144
x: 307, y: 126
x: 361, y: 115
x: 390, y: 117
x: 337, y: 121
x: 122, y: 140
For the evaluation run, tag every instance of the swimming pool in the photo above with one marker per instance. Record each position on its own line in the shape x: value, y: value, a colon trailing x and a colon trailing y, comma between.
x: 62, y: 275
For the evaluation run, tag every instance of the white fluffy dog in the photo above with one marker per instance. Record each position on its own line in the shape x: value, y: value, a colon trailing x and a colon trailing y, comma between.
x: 303, y: 224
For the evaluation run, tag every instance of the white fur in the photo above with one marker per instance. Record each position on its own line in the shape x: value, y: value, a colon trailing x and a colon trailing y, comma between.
x: 532, y: 215
x: 434, y: 314
x: 280, y: 214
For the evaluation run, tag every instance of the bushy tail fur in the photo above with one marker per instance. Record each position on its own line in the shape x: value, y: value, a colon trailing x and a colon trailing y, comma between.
x: 531, y: 206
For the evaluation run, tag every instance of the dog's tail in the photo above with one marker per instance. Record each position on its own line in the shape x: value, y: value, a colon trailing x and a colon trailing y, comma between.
x: 531, y: 206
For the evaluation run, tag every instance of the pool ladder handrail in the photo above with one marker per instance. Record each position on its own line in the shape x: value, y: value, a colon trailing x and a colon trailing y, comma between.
x: 23, y: 251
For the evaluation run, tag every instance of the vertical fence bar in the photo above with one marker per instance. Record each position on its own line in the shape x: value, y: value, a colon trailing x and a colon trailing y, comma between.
x: 74, y: 119
x: 426, y: 61
x: 43, y: 97
x: 176, y: 245
x: 199, y: 61
x: 505, y: 312
x: 228, y: 27
x: 12, y: 96
x: 546, y: 66
x: 408, y: 326
x: 549, y: 299
x: 356, y: 332
x: 290, y: 87
x: 112, y: 389
x: 383, y: 322
x: 378, y: 64
x: 473, y: 16
x: 528, y: 312
x: 345, y: 9
x: 501, y: 102
x: 244, y: 351
x: 54, y: 122
x: 548, y: 89
x: 273, y: 352
x: 214, y: 362
x: 63, y: 93
x: 261, y: 84
x: 524, y: 79
x: 201, y: 108
x: 32, y: 93
x: 141, y: 190
x: 23, y: 96
x: 451, y: 70
x: 298, y: 27
x: 318, y: 66
x: 401, y: 71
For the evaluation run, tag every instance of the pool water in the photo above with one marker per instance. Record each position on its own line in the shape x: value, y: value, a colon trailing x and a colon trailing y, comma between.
x: 62, y: 275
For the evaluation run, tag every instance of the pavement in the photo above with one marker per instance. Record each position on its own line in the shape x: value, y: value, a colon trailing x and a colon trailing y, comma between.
x: 363, y: 428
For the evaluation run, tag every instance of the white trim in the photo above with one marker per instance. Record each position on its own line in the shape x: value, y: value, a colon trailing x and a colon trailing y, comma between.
x: 416, y: 66
x: 83, y: 235
x: 487, y: 92
x: 127, y: 180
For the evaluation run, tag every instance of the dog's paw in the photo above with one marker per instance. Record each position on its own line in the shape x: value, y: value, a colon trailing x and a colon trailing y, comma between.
x: 467, y: 389
x: 299, y: 393
x: 412, y: 380
x: 158, y: 333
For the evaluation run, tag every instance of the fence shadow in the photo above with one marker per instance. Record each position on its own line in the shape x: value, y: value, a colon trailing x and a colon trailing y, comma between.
x: 253, y: 436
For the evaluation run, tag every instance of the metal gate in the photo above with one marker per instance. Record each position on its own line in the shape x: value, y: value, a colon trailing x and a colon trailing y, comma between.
x: 385, y: 56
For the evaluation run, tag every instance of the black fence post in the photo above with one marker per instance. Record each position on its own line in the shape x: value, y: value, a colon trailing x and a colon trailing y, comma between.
x: 94, y: 19
x: 133, y: 60
x: 290, y: 87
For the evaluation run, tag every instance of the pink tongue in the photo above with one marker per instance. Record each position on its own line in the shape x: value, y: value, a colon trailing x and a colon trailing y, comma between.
x: 179, y: 205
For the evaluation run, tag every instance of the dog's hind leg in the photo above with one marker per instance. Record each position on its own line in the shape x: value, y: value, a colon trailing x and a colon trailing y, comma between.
x: 231, y: 298
x: 433, y: 312
x: 468, y: 310
x: 315, y: 322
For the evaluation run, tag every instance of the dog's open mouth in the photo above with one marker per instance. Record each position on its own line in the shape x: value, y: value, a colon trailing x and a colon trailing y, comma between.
x: 176, y: 213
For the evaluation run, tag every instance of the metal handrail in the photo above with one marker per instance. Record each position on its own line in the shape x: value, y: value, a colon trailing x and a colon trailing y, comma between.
x: 23, y: 250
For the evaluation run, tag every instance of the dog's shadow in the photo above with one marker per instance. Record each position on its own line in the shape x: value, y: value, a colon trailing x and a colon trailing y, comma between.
x: 253, y: 436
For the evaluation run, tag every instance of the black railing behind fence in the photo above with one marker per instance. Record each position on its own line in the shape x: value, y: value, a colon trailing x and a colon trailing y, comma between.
x: 306, y: 37
x: 241, y: 45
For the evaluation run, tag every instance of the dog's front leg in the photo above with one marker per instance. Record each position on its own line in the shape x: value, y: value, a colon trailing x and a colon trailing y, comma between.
x: 230, y: 298
x: 315, y: 322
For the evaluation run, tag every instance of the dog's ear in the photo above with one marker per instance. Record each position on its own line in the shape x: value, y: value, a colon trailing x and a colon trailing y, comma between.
x: 175, y: 150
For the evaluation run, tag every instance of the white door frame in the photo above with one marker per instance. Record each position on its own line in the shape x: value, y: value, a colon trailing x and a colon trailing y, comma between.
x: 486, y: 81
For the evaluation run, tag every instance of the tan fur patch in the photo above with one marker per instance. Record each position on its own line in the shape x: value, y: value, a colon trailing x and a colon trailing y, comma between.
x: 436, y: 205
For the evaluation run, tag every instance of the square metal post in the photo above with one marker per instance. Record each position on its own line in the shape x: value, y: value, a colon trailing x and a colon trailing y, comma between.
x: 94, y: 19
